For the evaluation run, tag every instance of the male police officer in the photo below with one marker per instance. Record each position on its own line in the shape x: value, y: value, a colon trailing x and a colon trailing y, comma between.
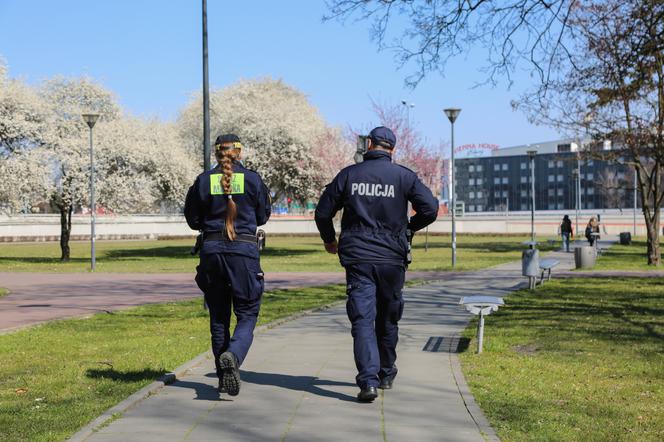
x: 373, y: 248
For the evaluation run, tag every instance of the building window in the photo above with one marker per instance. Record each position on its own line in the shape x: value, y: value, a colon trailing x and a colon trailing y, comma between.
x: 505, y: 166
x: 505, y: 180
x: 564, y: 147
x: 471, y: 182
x: 479, y: 168
x: 471, y: 195
x: 496, y: 194
x: 505, y: 193
x: 552, y: 178
x: 552, y: 164
x: 496, y: 167
x: 561, y: 192
x: 524, y: 179
x: 479, y: 181
x: 590, y: 191
x: 479, y: 207
x: 496, y: 180
x: 552, y: 192
x: 524, y: 206
x: 560, y: 178
x: 524, y: 193
x: 479, y: 194
x: 590, y: 163
x: 589, y: 176
x: 471, y: 208
x: 560, y: 163
x: 524, y: 166
x: 561, y: 206
x: 471, y: 168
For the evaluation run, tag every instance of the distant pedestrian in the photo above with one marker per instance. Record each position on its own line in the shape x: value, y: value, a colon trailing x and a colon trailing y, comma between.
x: 227, y: 204
x: 373, y: 248
x: 566, y: 232
x: 592, y: 227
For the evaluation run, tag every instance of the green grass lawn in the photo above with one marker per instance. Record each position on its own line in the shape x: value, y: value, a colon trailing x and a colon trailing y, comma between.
x: 631, y: 257
x: 57, y: 377
x: 3, y: 292
x: 577, y: 360
x: 283, y: 254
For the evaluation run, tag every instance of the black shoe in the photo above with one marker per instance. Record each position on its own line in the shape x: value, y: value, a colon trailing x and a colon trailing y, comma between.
x: 367, y: 394
x: 386, y: 383
x: 230, y: 373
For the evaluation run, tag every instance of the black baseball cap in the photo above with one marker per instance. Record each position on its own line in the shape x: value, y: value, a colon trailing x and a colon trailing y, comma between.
x: 382, y: 136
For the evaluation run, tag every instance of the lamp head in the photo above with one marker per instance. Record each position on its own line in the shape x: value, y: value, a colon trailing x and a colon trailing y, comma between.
x: 452, y: 114
x: 90, y: 119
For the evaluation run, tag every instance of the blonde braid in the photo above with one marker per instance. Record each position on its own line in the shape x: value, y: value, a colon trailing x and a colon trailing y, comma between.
x: 226, y: 162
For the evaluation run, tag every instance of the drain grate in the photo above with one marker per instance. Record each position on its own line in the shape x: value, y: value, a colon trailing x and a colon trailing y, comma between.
x: 446, y: 344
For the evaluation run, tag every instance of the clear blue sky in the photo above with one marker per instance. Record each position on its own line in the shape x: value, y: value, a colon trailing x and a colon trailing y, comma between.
x: 148, y: 53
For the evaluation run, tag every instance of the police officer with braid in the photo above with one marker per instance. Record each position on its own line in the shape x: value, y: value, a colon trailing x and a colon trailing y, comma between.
x: 373, y: 248
x: 227, y: 204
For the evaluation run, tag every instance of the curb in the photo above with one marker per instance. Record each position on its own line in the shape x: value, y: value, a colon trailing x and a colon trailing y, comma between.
x: 169, y: 378
x: 469, y: 401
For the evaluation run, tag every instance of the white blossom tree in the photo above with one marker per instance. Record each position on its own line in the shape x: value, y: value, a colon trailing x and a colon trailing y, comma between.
x: 141, y: 166
x: 23, y: 116
x: 278, y: 126
x: 67, y: 146
x: 25, y: 181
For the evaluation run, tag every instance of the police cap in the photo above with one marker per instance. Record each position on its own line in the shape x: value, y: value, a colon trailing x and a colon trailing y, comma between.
x: 228, y: 139
x: 382, y: 136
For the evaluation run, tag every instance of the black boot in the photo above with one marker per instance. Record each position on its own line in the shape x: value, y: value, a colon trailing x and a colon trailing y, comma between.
x: 230, y: 373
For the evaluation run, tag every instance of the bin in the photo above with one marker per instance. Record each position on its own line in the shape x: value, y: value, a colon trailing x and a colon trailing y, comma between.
x: 625, y: 238
x: 584, y: 257
x: 530, y: 263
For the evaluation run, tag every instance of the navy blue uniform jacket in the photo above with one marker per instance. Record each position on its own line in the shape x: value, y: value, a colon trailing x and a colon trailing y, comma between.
x: 374, y: 195
x: 205, y: 208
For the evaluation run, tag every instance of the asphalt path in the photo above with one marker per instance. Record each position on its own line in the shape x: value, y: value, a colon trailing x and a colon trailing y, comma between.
x: 38, y: 297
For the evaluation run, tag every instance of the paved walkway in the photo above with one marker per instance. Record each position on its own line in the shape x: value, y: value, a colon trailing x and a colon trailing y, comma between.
x: 39, y: 297
x: 298, y: 380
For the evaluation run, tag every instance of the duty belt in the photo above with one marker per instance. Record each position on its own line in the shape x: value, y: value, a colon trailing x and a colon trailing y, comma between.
x: 221, y: 236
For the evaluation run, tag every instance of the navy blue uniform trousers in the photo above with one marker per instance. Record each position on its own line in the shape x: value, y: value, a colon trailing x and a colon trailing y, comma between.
x: 374, y: 306
x: 231, y: 282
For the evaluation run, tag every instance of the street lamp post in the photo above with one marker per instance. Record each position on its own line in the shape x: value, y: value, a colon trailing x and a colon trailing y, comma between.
x: 635, y: 195
x: 408, y: 106
x: 452, y: 115
x: 575, y: 175
x: 206, y: 94
x: 531, y: 155
x: 90, y: 120
x: 578, y: 190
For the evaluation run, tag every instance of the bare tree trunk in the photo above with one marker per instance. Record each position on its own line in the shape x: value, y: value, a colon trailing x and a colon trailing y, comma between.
x: 65, y: 230
x: 654, y: 251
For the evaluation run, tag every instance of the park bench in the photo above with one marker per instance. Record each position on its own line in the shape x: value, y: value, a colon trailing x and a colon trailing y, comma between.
x: 546, y: 265
x: 482, y: 306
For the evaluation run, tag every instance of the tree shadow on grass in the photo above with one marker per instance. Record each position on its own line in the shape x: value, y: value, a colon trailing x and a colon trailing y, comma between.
x: 177, y: 252
x: 8, y: 260
x: 124, y: 376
